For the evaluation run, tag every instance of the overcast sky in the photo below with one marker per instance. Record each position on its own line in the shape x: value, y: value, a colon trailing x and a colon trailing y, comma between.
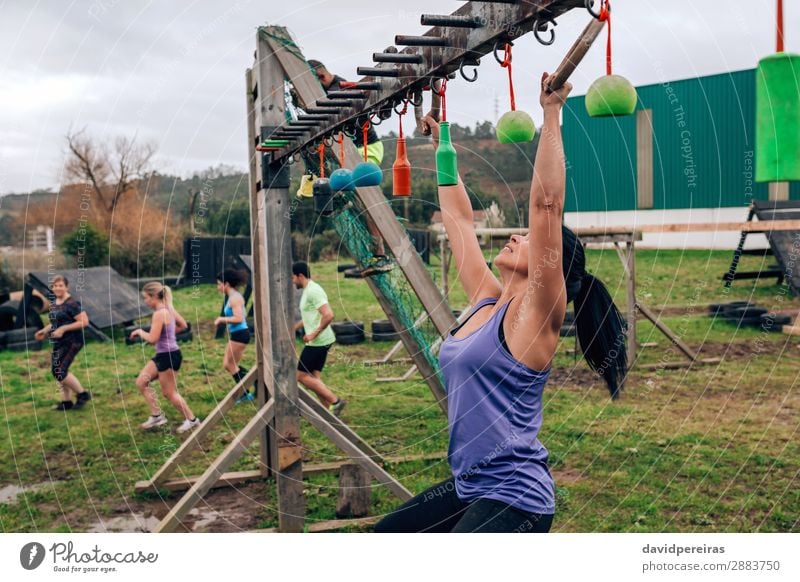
x: 173, y: 72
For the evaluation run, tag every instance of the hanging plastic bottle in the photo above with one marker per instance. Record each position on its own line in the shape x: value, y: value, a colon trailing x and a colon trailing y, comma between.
x: 778, y: 113
x: 611, y: 94
x: 322, y: 187
x: 401, y: 169
x: 446, y: 158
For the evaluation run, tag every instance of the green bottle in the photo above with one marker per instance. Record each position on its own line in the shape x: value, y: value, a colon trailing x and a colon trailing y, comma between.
x: 446, y: 162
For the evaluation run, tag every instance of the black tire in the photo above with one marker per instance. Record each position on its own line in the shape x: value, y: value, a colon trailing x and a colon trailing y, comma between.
x: 8, y: 313
x: 382, y: 326
x: 342, y: 267
x: 567, y: 331
x: 745, y: 313
x: 350, y: 339
x: 352, y: 274
x: 569, y: 317
x: 251, y: 325
x: 348, y: 327
x: 774, y: 323
x: 16, y: 336
x: 185, y: 336
x: 385, y: 337
x: 734, y: 305
x: 32, y: 346
x: 3, y: 339
x: 746, y: 322
x: 131, y: 328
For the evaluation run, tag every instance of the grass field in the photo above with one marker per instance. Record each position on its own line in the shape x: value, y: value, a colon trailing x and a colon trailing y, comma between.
x: 698, y: 448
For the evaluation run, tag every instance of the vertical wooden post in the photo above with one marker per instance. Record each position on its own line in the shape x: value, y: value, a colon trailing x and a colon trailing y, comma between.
x: 644, y: 158
x: 631, y: 272
x: 276, y: 255
x: 779, y: 190
x: 258, y: 273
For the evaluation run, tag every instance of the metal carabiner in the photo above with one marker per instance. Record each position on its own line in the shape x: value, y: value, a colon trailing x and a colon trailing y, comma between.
x: 589, y: 4
x: 464, y: 76
x: 541, y: 26
x: 494, y: 50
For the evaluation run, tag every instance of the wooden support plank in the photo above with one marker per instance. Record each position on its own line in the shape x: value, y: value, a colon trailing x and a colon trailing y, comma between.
x: 388, y: 357
x: 276, y: 295
x: 654, y: 319
x: 258, y: 267
x: 211, y: 475
x: 340, y: 426
x: 628, y: 259
x: 197, y: 435
x: 354, y: 453
x: 680, y: 365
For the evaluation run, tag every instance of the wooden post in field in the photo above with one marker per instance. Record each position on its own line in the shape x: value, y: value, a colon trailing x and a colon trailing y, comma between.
x: 273, y: 288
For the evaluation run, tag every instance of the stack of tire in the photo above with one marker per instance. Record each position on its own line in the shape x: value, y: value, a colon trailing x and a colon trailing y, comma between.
x: 185, y: 336
x: 568, y: 327
x: 747, y: 314
x: 20, y: 340
x: 348, y: 332
x: 384, y: 331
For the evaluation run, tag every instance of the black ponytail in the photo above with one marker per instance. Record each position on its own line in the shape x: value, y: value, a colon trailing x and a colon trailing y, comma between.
x: 599, y: 325
x: 601, y: 332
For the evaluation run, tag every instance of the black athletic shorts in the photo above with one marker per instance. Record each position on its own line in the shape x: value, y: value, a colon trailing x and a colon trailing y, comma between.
x: 168, y: 360
x: 63, y: 354
x: 240, y: 337
x: 312, y: 358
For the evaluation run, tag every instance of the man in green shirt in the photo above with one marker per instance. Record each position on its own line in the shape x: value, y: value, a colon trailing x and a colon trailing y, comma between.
x: 317, y: 316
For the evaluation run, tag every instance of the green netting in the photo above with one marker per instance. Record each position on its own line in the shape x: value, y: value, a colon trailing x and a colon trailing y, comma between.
x: 349, y: 222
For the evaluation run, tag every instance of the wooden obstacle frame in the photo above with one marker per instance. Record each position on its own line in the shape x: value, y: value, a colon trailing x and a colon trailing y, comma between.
x: 469, y: 33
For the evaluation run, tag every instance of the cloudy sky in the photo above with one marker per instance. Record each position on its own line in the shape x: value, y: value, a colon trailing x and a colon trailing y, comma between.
x: 173, y: 72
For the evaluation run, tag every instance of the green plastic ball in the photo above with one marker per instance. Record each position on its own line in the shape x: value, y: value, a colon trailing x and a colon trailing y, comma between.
x: 515, y: 127
x: 611, y: 95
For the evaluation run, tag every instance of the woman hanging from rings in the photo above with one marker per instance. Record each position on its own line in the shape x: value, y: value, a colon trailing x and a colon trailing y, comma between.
x: 233, y: 316
x: 497, y: 362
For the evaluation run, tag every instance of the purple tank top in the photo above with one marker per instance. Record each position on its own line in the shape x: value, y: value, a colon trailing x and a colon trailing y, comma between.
x: 167, y: 342
x: 494, y: 414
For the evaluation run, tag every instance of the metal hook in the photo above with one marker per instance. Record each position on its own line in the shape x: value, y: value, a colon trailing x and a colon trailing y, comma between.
x: 494, y: 50
x: 372, y: 121
x: 541, y: 26
x: 589, y: 4
x: 349, y: 131
x: 474, y: 76
x: 415, y: 98
x: 404, y: 103
x: 328, y: 141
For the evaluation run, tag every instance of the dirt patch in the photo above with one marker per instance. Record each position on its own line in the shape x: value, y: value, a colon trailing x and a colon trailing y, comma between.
x: 227, y: 509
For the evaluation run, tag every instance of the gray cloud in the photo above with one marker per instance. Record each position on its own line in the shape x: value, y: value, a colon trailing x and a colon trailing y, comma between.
x: 173, y: 72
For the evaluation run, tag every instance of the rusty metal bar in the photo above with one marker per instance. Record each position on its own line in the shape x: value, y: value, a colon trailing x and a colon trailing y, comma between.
x: 450, y: 21
x: 406, y: 40
x: 378, y: 72
x: 347, y: 94
x: 397, y: 58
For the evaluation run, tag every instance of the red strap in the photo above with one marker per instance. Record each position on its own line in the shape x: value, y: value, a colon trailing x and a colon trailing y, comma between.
x: 779, y: 42
x: 440, y: 93
x: 605, y: 15
x: 507, y: 64
x: 341, y: 150
x: 401, y: 114
x: 365, y: 129
x: 321, y: 150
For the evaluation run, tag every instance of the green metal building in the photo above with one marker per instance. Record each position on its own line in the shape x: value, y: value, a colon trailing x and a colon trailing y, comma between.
x: 689, y: 145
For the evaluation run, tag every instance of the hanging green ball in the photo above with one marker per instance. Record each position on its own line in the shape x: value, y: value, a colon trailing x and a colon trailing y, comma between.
x: 778, y: 118
x: 611, y: 95
x: 515, y: 127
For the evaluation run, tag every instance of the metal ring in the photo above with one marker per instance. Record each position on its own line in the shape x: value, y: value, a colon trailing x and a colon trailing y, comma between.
x: 415, y: 98
x: 589, y: 4
x: 350, y: 134
x: 494, y: 50
x: 328, y: 141
x: 403, y: 102
x: 474, y: 76
x: 547, y: 26
x: 372, y: 121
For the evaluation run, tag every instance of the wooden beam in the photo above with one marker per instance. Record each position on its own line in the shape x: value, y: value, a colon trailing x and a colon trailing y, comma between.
x: 197, y: 435
x: 232, y: 452
x: 340, y: 426
x: 258, y: 268
x: 355, y: 453
x: 654, y: 319
x: 500, y: 22
x: 276, y: 296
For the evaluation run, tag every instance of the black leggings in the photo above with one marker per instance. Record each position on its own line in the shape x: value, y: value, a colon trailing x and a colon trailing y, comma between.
x: 439, y: 509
